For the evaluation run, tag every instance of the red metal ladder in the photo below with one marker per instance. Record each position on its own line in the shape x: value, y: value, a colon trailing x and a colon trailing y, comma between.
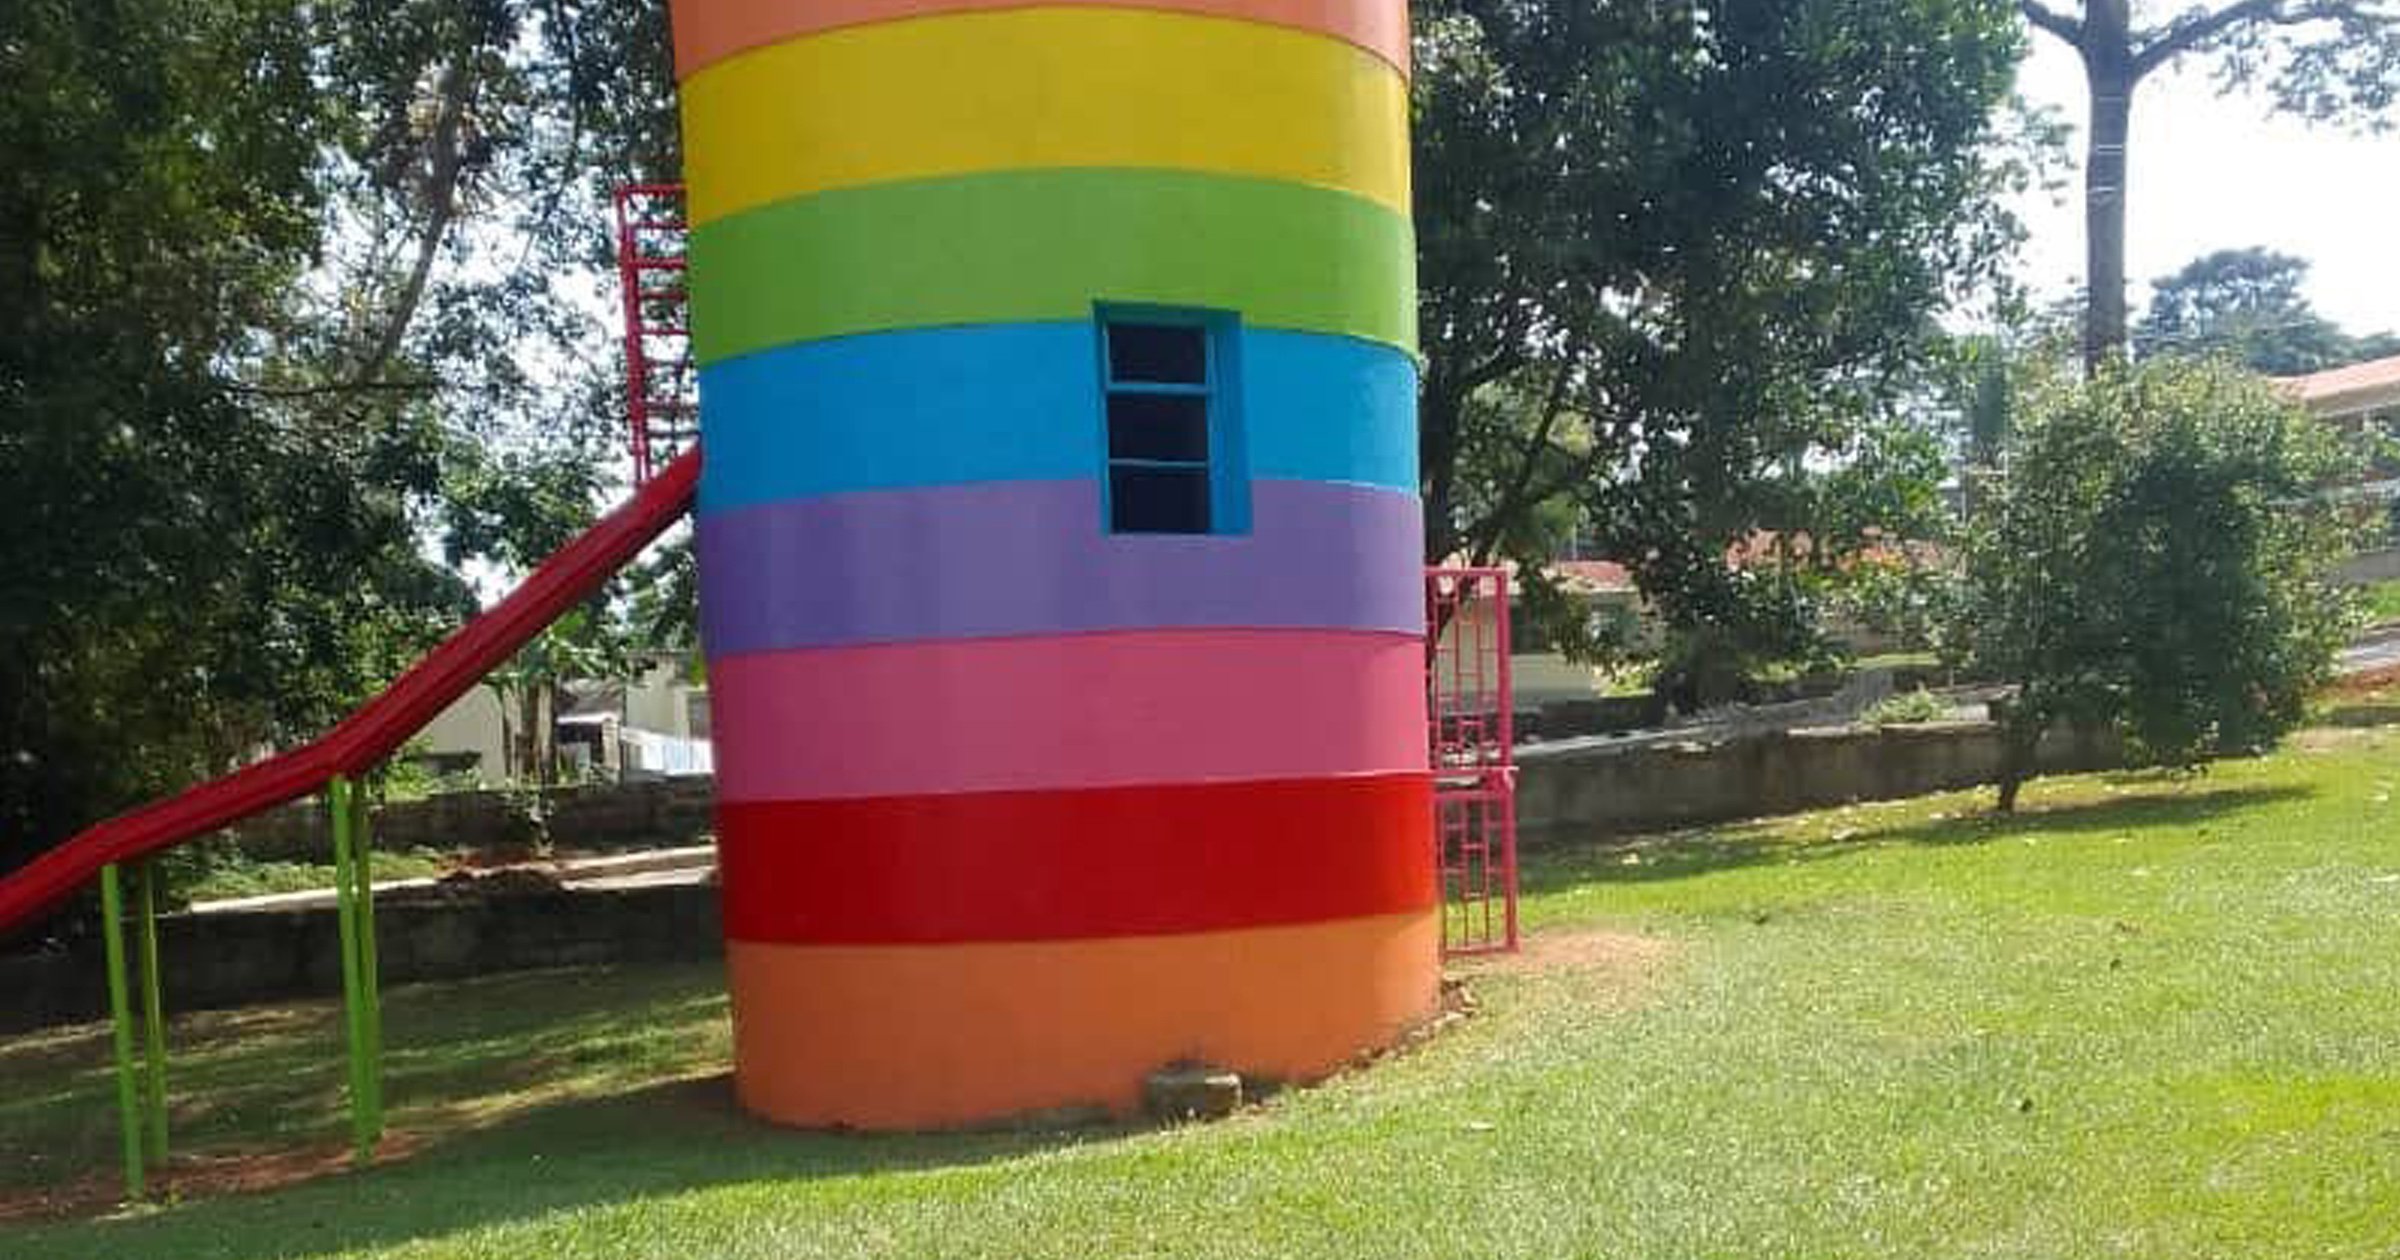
x: 662, y: 388
x: 1471, y: 733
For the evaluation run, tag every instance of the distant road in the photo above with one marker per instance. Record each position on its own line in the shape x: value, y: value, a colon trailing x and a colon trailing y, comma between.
x: 2377, y: 649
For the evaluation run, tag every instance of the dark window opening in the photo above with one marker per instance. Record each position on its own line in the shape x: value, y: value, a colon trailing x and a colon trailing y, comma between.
x: 1158, y: 500
x: 1162, y: 354
x: 1161, y: 385
x: 1158, y: 426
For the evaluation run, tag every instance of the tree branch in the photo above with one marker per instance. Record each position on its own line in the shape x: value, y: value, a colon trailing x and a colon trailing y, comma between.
x: 1581, y: 467
x: 1492, y: 369
x: 336, y: 387
x: 1485, y: 536
x: 2053, y: 21
x: 2196, y: 29
x: 447, y: 164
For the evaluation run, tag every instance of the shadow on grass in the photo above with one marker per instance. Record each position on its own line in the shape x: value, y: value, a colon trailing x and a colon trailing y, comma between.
x: 656, y: 1141
x: 1686, y: 854
x: 271, y: 1078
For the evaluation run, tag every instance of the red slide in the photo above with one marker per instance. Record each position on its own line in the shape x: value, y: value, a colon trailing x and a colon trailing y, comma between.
x: 381, y: 725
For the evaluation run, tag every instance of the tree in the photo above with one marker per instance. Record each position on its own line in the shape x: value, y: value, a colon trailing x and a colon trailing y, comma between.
x: 2154, y: 560
x: 2247, y: 305
x: 2316, y: 58
x: 285, y: 283
x: 1676, y: 260
x: 192, y: 571
x: 531, y: 688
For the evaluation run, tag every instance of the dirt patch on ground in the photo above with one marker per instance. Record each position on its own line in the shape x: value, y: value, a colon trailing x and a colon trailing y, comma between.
x: 198, y: 1175
x: 1589, y: 950
x: 2326, y: 739
x: 2364, y: 683
x: 1612, y: 968
x: 1624, y: 953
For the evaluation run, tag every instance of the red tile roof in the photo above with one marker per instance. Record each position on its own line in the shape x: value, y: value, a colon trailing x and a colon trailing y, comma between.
x: 2374, y: 383
x: 1601, y: 577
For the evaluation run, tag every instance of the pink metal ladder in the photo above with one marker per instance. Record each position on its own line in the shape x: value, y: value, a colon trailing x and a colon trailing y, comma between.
x: 1471, y: 738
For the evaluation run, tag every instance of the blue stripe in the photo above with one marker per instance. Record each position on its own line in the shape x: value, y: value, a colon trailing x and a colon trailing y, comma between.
x: 1021, y: 402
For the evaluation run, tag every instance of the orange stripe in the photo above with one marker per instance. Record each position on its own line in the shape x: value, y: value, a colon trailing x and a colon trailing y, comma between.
x: 709, y: 31
x: 923, y: 1037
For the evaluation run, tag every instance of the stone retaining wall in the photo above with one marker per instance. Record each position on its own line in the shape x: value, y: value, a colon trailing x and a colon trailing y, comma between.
x: 232, y: 958
x: 654, y: 813
x: 1605, y: 789
x: 1616, y: 715
x: 2381, y: 565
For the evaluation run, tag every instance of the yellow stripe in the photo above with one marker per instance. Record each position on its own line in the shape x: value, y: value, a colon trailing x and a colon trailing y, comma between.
x: 1055, y: 87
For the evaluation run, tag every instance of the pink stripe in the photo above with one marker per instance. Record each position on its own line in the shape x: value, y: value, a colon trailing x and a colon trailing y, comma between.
x: 1077, y: 711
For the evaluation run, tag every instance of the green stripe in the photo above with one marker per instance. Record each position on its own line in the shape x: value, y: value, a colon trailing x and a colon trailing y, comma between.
x: 1044, y: 245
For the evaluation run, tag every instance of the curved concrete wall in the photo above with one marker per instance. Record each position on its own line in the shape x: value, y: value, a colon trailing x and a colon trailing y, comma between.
x: 1016, y: 809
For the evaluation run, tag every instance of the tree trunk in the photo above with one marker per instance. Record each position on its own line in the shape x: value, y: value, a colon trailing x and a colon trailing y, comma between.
x: 2020, y: 745
x: 521, y: 749
x: 1438, y: 454
x: 545, y: 733
x: 2109, y: 73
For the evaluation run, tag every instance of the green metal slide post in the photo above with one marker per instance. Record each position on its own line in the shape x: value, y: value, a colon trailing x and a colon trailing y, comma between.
x: 120, y: 1010
x: 353, y: 999
x: 362, y: 837
x: 154, y: 1018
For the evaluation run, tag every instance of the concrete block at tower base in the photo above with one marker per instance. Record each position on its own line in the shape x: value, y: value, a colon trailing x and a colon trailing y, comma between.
x: 1192, y: 1091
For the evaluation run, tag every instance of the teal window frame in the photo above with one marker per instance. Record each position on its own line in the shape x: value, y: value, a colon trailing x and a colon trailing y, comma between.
x: 1225, y: 464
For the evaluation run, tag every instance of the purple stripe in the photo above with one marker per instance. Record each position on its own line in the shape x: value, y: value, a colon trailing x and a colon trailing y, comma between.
x: 1031, y: 557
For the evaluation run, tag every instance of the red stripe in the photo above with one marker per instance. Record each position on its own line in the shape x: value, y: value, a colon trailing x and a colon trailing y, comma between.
x: 1066, y: 865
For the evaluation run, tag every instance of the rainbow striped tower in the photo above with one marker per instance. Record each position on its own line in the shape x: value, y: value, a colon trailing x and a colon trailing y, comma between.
x: 1059, y: 544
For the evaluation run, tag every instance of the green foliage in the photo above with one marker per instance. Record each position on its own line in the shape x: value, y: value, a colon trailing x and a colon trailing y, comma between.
x: 193, y: 569
x: 2383, y: 602
x: 1977, y: 380
x: 220, y: 872
x: 1883, y: 489
x: 1908, y: 708
x: 1910, y: 599
x: 409, y: 777
x: 291, y: 294
x: 2247, y: 305
x: 586, y: 643
x: 1677, y: 265
x: 2155, y: 559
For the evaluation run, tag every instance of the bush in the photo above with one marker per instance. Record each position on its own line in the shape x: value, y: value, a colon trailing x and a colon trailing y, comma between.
x: 1908, y: 708
x: 2154, y: 558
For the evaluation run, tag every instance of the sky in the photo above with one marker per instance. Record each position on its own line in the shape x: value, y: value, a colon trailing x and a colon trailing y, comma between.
x: 2210, y: 172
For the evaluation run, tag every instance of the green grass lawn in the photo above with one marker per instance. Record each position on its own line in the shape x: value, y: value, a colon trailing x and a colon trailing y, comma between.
x: 2147, y: 1018
x: 2383, y: 601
